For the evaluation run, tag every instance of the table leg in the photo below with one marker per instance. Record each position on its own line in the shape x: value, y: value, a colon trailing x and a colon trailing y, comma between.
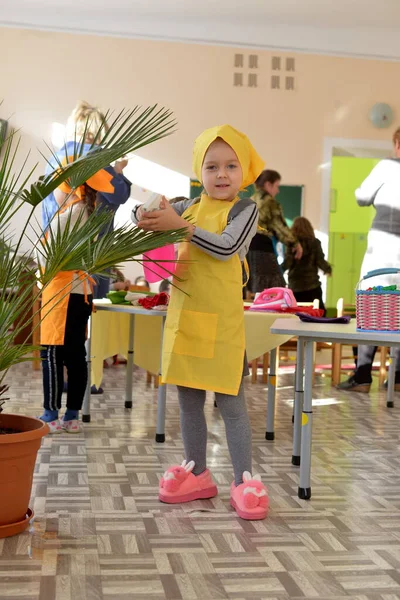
x: 161, y: 398
x: 161, y: 406
x: 270, y: 433
x: 129, y: 366
x: 391, y: 379
x: 86, y: 400
x: 306, y: 430
x: 298, y: 402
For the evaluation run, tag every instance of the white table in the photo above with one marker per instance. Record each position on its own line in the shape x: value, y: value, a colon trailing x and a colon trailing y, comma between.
x: 307, y: 334
x: 132, y: 311
x: 259, y: 340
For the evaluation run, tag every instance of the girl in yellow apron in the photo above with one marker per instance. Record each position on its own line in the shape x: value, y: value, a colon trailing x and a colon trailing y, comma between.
x: 204, y: 340
x: 66, y: 307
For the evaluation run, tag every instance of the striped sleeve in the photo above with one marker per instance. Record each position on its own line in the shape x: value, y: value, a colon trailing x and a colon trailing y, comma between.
x: 179, y: 207
x: 235, y: 239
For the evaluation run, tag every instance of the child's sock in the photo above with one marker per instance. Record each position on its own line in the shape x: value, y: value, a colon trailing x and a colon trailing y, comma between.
x: 49, y: 415
x: 71, y: 415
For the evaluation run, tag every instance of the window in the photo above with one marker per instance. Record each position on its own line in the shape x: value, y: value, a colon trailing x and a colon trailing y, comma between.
x: 275, y: 82
x: 253, y: 61
x: 290, y: 83
x: 290, y: 64
x: 238, y: 63
x: 252, y: 80
x: 276, y: 63
x: 238, y: 79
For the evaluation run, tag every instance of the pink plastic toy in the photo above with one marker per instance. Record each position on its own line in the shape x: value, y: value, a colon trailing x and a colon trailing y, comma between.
x: 274, y: 299
x: 153, y: 272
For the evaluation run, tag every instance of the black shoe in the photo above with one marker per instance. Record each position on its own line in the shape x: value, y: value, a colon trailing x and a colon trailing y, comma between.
x: 351, y: 385
x: 95, y: 391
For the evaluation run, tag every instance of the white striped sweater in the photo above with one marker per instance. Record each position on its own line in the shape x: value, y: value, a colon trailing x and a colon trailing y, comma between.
x: 236, y: 237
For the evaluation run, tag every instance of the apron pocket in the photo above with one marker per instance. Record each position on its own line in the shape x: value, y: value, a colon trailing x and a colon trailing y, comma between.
x: 196, y: 334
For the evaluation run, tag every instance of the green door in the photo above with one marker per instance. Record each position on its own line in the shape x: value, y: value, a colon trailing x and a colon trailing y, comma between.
x: 340, y: 285
x: 348, y: 227
x: 360, y: 247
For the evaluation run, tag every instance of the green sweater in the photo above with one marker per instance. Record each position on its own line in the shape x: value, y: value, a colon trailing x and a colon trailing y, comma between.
x: 303, y: 273
x: 271, y: 220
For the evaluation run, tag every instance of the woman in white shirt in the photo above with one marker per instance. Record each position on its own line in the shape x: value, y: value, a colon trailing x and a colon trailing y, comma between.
x: 381, y: 189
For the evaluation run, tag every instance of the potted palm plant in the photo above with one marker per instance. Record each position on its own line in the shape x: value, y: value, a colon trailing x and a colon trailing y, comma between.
x: 79, y: 247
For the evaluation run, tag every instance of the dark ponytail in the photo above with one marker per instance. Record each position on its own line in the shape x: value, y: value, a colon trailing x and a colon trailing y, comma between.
x: 90, y: 198
x: 267, y: 176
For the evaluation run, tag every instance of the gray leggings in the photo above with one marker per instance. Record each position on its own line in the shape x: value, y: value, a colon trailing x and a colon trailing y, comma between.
x: 194, y: 429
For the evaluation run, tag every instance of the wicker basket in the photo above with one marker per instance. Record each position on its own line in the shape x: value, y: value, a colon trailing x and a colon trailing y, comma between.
x: 378, y: 310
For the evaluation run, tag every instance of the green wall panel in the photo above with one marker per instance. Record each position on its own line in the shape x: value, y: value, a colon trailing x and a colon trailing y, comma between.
x: 348, y: 227
x: 347, y: 175
x: 290, y: 197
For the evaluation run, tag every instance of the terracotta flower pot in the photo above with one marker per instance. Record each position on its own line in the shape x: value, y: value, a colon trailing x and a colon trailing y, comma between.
x: 18, y: 453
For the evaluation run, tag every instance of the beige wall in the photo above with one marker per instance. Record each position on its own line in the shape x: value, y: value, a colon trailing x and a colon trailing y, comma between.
x: 43, y: 74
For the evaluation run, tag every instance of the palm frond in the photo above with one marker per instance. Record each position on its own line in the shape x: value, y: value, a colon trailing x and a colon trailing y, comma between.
x: 77, y: 246
x: 126, y: 135
x: 13, y: 354
x: 11, y: 182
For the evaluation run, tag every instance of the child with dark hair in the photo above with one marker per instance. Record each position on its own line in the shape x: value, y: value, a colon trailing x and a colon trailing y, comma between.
x: 165, y: 286
x: 303, y: 274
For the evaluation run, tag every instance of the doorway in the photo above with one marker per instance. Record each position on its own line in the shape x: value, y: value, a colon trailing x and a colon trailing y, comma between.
x: 343, y: 222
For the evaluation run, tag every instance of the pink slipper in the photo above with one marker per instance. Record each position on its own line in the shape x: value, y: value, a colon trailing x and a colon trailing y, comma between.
x: 71, y: 426
x: 55, y: 426
x: 250, y: 498
x: 178, y: 484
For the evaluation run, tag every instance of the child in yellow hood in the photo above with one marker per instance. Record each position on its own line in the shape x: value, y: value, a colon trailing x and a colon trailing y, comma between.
x: 204, y: 340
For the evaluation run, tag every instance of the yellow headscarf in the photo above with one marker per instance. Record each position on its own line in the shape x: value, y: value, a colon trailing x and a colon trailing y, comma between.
x: 250, y: 161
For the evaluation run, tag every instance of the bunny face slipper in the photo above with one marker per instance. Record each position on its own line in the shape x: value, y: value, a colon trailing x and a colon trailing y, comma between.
x: 250, y: 498
x: 178, y: 484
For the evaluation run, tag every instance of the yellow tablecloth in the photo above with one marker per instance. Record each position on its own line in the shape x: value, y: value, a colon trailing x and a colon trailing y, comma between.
x: 110, y: 335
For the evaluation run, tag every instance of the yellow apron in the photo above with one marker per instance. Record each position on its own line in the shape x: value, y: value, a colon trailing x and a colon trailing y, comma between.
x: 204, y: 339
x: 55, y: 298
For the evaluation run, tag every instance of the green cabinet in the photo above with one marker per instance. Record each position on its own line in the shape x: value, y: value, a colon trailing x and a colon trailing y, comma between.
x: 346, y: 253
x: 347, y: 175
